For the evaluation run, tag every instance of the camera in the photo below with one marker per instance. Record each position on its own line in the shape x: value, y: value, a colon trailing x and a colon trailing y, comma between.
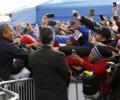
x: 92, y: 12
x: 114, y: 4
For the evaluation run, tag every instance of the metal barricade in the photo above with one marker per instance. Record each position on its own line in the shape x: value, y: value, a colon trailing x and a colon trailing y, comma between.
x: 25, y: 89
x: 8, y: 95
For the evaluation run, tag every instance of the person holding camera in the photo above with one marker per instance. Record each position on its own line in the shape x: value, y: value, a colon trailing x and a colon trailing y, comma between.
x: 115, y: 9
x: 103, y: 34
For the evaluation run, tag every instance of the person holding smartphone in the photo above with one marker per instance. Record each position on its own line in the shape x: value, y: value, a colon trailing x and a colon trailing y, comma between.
x: 115, y: 9
x: 91, y: 14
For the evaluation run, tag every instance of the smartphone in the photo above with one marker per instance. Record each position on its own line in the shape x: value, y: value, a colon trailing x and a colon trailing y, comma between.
x: 52, y: 23
x: 101, y: 17
x: 92, y: 12
x: 114, y: 4
x: 50, y: 15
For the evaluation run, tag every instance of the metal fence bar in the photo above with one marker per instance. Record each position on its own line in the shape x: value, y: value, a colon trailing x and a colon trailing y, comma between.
x: 76, y: 91
x: 25, y: 88
x: 8, y: 95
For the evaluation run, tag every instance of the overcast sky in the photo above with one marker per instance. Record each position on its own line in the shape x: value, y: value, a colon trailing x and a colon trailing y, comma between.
x: 11, y: 5
x: 7, y: 6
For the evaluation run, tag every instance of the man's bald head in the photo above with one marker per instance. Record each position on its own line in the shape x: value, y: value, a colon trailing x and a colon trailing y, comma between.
x: 6, y: 32
x: 3, y: 28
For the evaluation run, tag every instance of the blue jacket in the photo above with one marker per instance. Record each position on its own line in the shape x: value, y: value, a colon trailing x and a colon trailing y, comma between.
x: 85, y: 33
x: 62, y: 38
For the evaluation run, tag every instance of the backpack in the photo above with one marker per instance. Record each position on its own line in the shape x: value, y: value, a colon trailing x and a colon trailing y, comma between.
x: 90, y: 84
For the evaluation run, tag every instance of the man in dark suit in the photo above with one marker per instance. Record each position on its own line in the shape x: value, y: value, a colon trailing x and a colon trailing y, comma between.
x: 8, y: 52
x: 50, y: 70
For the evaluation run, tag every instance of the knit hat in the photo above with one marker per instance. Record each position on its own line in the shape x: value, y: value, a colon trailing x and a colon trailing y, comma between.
x: 101, y: 52
x: 105, y: 32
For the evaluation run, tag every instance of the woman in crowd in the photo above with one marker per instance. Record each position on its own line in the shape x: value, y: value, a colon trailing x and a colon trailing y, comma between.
x: 96, y: 62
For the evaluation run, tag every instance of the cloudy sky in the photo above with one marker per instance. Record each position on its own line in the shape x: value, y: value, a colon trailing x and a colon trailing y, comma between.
x: 11, y: 5
x: 7, y: 6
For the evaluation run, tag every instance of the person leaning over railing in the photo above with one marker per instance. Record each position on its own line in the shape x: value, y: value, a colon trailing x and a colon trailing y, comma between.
x: 8, y: 52
x: 96, y: 62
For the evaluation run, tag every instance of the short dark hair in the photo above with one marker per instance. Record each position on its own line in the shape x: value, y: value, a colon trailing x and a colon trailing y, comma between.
x: 3, y: 29
x: 104, y: 32
x: 46, y: 35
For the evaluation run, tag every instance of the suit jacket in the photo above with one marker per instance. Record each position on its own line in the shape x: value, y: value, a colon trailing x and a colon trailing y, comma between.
x: 115, y: 85
x: 9, y: 52
x: 51, y: 74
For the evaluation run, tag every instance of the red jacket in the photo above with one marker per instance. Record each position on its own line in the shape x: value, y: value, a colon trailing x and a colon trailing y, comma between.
x: 98, y: 69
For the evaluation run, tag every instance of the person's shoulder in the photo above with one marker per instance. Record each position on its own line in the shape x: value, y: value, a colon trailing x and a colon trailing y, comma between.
x: 3, y: 43
x: 35, y: 53
x: 58, y: 53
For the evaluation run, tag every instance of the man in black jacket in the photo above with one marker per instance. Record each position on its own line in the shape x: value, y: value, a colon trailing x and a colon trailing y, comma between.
x: 115, y: 85
x: 8, y: 52
x: 103, y: 33
x: 50, y: 70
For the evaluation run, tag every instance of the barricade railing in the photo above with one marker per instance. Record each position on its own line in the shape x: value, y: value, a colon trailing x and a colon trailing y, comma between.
x: 26, y: 91
x: 8, y: 95
x: 24, y: 87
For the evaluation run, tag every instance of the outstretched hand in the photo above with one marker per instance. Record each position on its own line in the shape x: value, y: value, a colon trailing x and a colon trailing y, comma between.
x: 45, y: 21
x: 77, y: 58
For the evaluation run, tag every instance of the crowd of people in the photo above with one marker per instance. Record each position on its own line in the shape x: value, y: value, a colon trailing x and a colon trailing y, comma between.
x: 55, y: 52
